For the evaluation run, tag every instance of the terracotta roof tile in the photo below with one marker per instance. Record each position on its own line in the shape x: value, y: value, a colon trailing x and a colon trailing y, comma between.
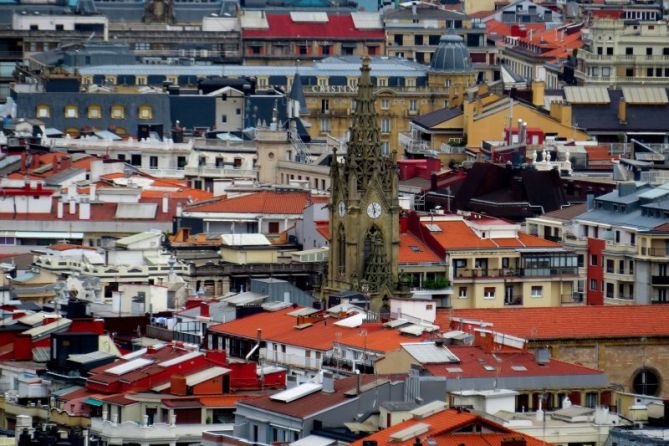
x: 414, y: 250
x: 337, y: 27
x: 265, y: 202
x: 444, y: 427
x: 473, y: 358
x: 591, y: 321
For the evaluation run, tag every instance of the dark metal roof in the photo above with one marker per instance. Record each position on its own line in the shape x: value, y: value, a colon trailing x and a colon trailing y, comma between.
x: 437, y: 117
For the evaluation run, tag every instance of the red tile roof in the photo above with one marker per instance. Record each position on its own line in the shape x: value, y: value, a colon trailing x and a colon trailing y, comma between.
x: 265, y: 202
x: 414, y: 250
x: 315, y: 402
x: 338, y: 27
x: 570, y: 322
x: 323, y: 228
x: 68, y: 246
x: 99, y: 212
x: 472, y: 360
x: 445, y: 428
x: 457, y: 234
x: 378, y: 339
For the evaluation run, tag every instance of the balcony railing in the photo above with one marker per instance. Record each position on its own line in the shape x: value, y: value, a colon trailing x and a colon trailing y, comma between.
x: 57, y: 264
x: 659, y: 280
x: 131, y: 432
x: 209, y: 170
x: 493, y: 273
x: 571, y: 298
x: 290, y: 359
x: 654, y: 252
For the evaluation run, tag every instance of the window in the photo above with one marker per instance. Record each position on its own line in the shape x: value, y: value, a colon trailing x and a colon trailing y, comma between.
x: 136, y: 160
x: 325, y: 105
x: 153, y: 162
x: 385, y: 104
x: 537, y: 291
x: 593, y: 285
x: 145, y: 112
x: 606, y: 71
x: 489, y: 293
x: 646, y: 382
x: 413, y: 106
x: 462, y: 292
x: 580, y: 261
x: 71, y: 111
x: 629, y: 72
x: 352, y: 82
x: 631, y: 268
x: 609, y: 266
x: 621, y: 267
x: 385, y: 125
x: 273, y: 227
x: 325, y: 50
x: 381, y: 82
x: 649, y: 72
x: 118, y: 111
x: 181, y: 162
x: 609, y: 290
x: 593, y: 260
x: 224, y: 119
x: 94, y: 112
x: 385, y: 148
x: 325, y: 125
x: 43, y: 111
x: 609, y: 51
x: 303, y: 50
x: 649, y: 51
x: 629, y: 51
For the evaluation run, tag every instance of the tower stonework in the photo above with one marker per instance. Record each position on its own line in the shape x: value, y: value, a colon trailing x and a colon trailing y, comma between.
x: 364, y: 208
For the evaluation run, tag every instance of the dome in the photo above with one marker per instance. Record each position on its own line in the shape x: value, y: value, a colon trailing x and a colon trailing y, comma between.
x: 451, y: 55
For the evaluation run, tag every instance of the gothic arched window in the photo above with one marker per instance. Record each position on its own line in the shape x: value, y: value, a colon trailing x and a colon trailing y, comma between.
x: 341, y: 250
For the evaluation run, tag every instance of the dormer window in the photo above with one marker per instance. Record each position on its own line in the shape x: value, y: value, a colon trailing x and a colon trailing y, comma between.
x: 145, y: 112
x: 43, y: 111
x: 94, y: 112
x: 118, y: 111
x: 71, y: 111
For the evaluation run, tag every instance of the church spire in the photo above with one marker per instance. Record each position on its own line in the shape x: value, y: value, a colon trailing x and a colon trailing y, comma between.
x: 363, y: 157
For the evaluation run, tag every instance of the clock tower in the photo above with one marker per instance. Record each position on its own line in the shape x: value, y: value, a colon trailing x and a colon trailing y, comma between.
x: 364, y: 208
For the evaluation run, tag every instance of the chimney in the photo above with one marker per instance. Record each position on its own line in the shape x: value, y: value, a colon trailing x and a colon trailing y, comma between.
x: 84, y: 209
x: 328, y: 382
x: 92, y: 192
x: 622, y: 111
x: 538, y: 93
x: 71, y: 191
x: 60, y: 209
x: 165, y: 203
x: 180, y: 209
x: 73, y: 206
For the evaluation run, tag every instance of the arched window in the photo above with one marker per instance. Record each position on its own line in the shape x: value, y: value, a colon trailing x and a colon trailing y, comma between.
x: 94, y: 111
x: 145, y: 112
x: 71, y: 111
x: 341, y: 250
x: 646, y: 382
x: 118, y: 111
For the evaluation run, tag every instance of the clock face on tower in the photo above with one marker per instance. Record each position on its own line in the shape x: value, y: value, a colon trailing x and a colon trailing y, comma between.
x: 341, y: 208
x: 374, y: 210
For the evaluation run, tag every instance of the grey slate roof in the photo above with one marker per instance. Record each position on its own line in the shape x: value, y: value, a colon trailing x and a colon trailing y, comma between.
x: 436, y: 117
x: 604, y: 117
x: 27, y: 103
x: 429, y: 13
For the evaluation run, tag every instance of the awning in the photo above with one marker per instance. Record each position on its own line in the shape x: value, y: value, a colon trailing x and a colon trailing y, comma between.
x: 93, y: 402
x: 58, y: 235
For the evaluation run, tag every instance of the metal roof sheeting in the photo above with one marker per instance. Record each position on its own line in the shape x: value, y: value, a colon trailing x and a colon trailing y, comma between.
x: 90, y: 357
x: 136, y: 210
x: 205, y: 375
x: 645, y: 95
x: 296, y: 393
x: 129, y: 366
x: 430, y: 353
x: 587, y: 95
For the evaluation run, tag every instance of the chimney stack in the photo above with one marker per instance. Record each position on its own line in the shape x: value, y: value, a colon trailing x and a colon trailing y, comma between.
x: 60, y: 208
x: 622, y: 111
x: 328, y: 382
x: 73, y: 206
x: 84, y: 209
x: 92, y: 192
x: 165, y: 204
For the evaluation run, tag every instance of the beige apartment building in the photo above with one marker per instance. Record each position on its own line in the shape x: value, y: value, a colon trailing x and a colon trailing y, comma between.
x: 623, y: 52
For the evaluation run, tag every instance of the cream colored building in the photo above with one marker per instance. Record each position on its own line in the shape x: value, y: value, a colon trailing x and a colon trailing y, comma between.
x: 619, y: 52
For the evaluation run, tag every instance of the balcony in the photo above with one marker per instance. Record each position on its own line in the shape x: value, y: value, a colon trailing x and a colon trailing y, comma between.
x: 619, y: 248
x: 131, y: 432
x: 510, y: 273
x: 636, y: 59
x: 290, y: 360
x: 109, y: 271
x: 572, y: 299
x: 212, y: 171
x: 659, y: 280
x: 654, y: 252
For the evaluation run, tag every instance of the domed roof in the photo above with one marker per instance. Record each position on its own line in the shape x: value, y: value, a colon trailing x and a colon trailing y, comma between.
x: 451, y: 56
